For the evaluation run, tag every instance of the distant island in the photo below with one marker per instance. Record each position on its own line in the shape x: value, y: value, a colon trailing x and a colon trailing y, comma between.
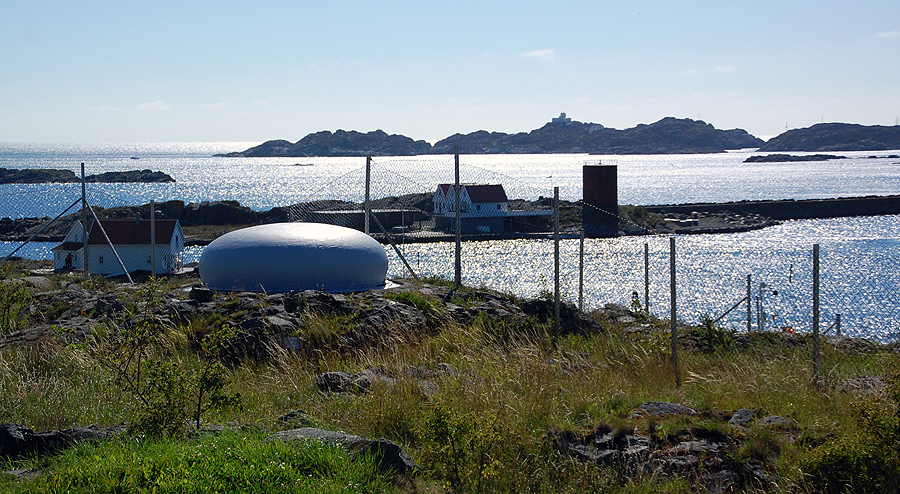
x: 785, y: 158
x: 41, y: 175
x: 561, y: 135
x: 826, y: 137
x: 564, y: 135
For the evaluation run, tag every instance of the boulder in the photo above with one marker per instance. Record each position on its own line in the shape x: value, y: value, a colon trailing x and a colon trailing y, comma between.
x: 389, y: 457
x: 661, y: 408
x: 18, y: 441
x: 741, y: 417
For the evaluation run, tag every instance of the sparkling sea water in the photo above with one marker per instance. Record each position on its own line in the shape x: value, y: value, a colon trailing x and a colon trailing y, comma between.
x: 859, y: 256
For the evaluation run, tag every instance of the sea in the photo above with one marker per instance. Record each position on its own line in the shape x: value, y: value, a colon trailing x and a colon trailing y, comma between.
x: 859, y: 256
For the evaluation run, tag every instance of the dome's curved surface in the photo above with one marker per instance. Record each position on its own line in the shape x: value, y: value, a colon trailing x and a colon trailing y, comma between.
x: 282, y: 257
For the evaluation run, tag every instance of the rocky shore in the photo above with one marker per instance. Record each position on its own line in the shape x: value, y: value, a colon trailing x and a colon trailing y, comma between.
x: 204, y: 221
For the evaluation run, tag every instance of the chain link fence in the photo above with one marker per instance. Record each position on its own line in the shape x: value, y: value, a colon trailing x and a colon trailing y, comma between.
x: 514, y: 251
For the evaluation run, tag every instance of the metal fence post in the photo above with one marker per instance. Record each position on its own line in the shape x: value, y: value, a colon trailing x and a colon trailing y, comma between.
x: 153, y: 237
x: 581, y: 271
x: 837, y: 324
x: 556, y: 328
x: 458, y: 264
x: 647, y: 279
x: 674, y: 313
x: 749, y: 304
x: 815, y: 314
x: 368, y: 206
x: 84, y: 221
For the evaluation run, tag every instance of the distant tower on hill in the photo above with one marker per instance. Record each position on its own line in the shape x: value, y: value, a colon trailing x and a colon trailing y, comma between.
x: 561, y: 119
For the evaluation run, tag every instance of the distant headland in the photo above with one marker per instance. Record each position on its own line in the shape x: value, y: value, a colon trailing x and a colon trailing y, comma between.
x: 563, y: 135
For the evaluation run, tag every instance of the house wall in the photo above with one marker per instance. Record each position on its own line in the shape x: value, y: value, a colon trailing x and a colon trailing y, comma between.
x: 135, y: 257
x: 59, y: 259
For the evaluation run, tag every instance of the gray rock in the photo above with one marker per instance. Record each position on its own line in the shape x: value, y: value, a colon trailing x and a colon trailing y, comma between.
x: 742, y: 417
x: 333, y: 382
x: 658, y: 408
x: 389, y: 457
x: 778, y: 423
x: 348, y: 441
x: 39, y: 282
x: 866, y: 385
x: 19, y: 441
x: 201, y: 294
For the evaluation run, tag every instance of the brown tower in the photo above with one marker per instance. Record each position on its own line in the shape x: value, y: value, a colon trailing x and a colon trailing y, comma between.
x: 599, y: 216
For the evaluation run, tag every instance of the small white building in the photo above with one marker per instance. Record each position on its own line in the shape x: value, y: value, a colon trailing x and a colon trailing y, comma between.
x: 482, y: 208
x: 561, y: 119
x: 131, y: 239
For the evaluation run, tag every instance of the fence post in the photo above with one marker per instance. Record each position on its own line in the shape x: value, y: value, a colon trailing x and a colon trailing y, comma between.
x: 581, y: 271
x: 556, y: 327
x: 674, y: 313
x: 749, y: 304
x: 647, y: 279
x: 84, y: 221
x: 368, y: 207
x: 837, y: 324
x: 458, y: 265
x: 153, y: 237
x: 815, y: 314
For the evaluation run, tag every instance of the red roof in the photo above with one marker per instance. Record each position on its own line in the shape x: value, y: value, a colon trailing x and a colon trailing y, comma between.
x: 480, y: 194
x: 130, y: 232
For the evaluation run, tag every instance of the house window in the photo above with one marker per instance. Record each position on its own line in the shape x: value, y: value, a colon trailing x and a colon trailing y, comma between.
x: 101, y: 259
x: 498, y: 207
x: 478, y: 207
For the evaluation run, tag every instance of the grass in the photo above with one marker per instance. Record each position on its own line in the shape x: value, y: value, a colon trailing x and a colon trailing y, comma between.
x: 230, y: 462
x: 510, y: 385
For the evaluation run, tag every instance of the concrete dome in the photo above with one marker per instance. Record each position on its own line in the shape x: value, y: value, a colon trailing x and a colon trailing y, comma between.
x: 282, y: 257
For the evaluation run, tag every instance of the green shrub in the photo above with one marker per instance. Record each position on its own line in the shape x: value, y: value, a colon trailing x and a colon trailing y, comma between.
x: 463, y: 448
x: 864, y: 463
x: 169, y: 389
x: 14, y: 296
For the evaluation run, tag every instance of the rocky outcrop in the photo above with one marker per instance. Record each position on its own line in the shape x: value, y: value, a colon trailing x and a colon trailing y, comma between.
x: 824, y: 137
x: 18, y: 441
x: 669, y: 135
x: 703, y: 455
x: 786, y: 158
x: 789, y: 209
x: 340, y: 143
x: 142, y: 176
x: 37, y: 176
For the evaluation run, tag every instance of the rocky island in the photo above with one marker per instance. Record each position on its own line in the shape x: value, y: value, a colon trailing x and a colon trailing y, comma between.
x: 562, y: 135
x: 40, y: 176
x: 836, y: 137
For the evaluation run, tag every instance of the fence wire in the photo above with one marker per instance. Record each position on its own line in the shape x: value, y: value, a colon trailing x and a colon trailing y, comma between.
x: 858, y: 280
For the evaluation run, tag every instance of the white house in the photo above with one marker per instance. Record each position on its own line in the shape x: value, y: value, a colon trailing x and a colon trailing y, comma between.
x: 131, y: 239
x: 482, y: 208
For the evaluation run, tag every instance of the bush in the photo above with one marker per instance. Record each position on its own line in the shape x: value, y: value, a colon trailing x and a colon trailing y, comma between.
x: 864, y: 463
x: 14, y: 297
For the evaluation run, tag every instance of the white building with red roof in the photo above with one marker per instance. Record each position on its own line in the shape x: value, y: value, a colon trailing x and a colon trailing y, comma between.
x: 132, y: 241
x: 483, y: 207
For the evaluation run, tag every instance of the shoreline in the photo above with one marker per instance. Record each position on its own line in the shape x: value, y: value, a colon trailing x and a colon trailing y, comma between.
x: 201, y: 228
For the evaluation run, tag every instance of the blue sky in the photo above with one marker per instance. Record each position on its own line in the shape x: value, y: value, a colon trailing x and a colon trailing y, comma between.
x: 251, y: 71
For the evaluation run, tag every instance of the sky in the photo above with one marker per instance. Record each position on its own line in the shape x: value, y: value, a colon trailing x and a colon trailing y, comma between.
x: 188, y: 71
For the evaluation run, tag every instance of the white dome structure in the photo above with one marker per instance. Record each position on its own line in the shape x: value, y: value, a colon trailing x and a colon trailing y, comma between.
x: 283, y: 257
